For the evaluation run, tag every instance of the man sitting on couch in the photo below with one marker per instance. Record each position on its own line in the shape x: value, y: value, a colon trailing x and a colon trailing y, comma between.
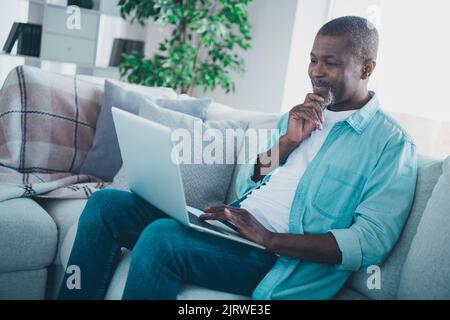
x: 336, y: 203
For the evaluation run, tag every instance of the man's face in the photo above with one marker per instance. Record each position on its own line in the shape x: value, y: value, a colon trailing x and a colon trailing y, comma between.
x: 334, y: 70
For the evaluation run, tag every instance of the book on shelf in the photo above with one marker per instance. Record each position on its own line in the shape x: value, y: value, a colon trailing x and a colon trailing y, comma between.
x: 37, y: 36
x: 28, y: 38
x: 12, y: 37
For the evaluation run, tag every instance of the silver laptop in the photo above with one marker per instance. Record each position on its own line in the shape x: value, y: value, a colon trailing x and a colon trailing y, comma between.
x: 146, y: 149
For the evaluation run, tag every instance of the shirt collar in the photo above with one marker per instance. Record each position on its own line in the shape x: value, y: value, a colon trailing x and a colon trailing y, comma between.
x: 361, y: 118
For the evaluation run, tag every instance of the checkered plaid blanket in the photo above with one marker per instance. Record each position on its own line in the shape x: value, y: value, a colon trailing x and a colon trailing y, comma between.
x: 47, y: 125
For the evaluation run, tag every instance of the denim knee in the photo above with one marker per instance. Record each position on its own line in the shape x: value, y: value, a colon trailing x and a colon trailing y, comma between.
x: 161, y: 236
x: 110, y: 200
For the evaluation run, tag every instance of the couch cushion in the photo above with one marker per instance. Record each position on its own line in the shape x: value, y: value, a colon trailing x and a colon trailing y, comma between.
x: 349, y: 294
x: 426, y: 273
x: 23, y: 285
x: 103, y: 159
x: 264, y: 120
x: 145, y: 90
x: 28, y: 236
x: 190, y: 292
x: 64, y: 212
x: 120, y: 181
x: 205, y: 181
x: 67, y: 244
x: 428, y: 174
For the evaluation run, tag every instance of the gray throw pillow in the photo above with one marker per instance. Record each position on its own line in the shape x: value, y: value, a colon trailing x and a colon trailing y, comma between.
x: 195, y: 107
x: 204, y: 184
x: 103, y: 159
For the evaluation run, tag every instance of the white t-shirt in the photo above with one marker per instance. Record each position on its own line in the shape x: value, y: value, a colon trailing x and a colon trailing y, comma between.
x: 271, y: 203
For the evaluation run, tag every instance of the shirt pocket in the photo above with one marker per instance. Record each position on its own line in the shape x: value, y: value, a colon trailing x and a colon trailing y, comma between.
x: 338, y: 195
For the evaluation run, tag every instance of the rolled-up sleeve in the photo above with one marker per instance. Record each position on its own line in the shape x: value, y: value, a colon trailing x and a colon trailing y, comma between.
x: 350, y: 248
x: 386, y: 202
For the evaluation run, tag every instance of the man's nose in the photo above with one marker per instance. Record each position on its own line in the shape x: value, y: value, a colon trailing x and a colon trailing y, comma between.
x: 317, y: 71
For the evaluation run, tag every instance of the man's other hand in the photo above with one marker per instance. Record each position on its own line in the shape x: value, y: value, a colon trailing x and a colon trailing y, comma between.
x: 245, y: 222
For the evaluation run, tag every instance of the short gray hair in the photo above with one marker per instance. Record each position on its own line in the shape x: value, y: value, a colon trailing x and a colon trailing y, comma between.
x: 361, y: 33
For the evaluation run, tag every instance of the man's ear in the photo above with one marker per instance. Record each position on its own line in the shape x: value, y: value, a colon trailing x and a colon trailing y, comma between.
x: 367, y: 69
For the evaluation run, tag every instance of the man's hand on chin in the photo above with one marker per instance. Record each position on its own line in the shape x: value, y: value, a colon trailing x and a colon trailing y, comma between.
x: 305, y: 118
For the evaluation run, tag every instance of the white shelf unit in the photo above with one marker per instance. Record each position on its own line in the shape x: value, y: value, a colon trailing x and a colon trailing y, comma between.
x: 62, y: 44
x: 78, y: 47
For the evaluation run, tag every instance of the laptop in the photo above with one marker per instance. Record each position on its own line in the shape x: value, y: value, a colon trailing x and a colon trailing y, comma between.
x: 146, y: 148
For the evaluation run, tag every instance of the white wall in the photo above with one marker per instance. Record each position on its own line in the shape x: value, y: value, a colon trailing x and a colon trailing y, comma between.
x: 154, y: 37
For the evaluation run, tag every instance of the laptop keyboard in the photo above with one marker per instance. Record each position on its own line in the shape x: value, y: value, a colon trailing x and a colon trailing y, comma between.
x: 196, y: 221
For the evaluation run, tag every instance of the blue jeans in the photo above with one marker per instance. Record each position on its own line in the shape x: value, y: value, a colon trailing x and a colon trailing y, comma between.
x: 165, y: 254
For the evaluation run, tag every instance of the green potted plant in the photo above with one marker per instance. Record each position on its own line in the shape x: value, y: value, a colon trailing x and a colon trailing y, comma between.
x: 201, y: 51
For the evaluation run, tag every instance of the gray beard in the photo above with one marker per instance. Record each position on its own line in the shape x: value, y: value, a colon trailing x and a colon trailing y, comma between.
x: 330, y: 100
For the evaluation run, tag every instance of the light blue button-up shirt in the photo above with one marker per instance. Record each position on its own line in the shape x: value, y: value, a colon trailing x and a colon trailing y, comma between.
x: 360, y: 187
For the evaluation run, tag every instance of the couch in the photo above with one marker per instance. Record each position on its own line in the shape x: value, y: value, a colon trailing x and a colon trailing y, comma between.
x: 36, y: 236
